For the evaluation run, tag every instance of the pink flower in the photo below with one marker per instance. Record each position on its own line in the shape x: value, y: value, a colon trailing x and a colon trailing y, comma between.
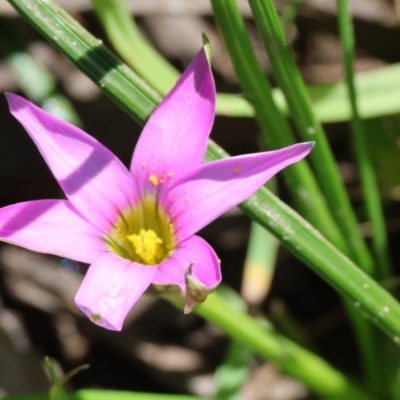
x: 137, y: 227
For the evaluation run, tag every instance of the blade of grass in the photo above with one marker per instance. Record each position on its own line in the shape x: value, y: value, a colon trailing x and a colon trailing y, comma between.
x: 274, y: 128
x: 57, y: 391
x: 291, y: 83
x: 376, y: 374
x: 138, y: 100
x: 367, y: 174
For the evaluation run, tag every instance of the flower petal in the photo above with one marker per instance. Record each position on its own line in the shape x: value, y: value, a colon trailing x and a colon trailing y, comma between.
x: 175, y: 137
x: 196, y: 252
x: 94, y: 180
x: 53, y: 227
x: 111, y: 287
x: 213, y: 188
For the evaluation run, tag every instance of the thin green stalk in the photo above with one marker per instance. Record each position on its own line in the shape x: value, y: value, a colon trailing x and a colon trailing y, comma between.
x: 291, y: 83
x: 138, y: 100
x: 367, y: 174
x: 375, y: 372
x: 57, y: 391
x: 274, y: 128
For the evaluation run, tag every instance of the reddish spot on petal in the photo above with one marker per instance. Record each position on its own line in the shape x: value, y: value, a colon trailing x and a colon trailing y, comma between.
x: 236, y: 170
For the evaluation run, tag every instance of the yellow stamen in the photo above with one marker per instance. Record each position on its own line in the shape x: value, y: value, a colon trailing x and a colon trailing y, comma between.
x: 143, y: 233
x: 153, y: 179
x: 147, y: 246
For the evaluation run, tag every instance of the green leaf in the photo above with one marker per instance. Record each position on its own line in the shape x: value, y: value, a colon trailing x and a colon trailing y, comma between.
x: 292, y: 85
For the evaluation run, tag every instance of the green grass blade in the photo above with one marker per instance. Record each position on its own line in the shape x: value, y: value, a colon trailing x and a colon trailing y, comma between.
x: 57, y: 391
x: 290, y: 81
x: 367, y: 174
x: 374, y: 371
x: 293, y: 231
x: 274, y: 127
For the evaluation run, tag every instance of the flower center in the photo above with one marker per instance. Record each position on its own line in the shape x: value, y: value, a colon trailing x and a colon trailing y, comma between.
x: 143, y: 233
x: 147, y: 246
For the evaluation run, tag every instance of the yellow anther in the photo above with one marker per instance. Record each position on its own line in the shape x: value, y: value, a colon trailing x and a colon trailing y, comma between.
x: 147, y: 246
x: 153, y: 179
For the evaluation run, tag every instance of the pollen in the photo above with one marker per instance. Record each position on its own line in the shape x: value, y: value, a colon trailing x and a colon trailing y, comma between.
x: 236, y: 170
x: 147, y: 246
x: 153, y: 179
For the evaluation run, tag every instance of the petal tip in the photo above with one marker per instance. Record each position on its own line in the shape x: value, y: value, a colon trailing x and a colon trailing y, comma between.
x: 10, y: 96
x: 98, y: 319
x: 15, y: 101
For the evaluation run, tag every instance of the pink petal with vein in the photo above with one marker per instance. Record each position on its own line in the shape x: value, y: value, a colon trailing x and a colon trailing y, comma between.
x: 175, y: 137
x: 53, y: 227
x: 213, y: 188
x: 95, y: 181
x: 111, y: 287
x: 195, y: 250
